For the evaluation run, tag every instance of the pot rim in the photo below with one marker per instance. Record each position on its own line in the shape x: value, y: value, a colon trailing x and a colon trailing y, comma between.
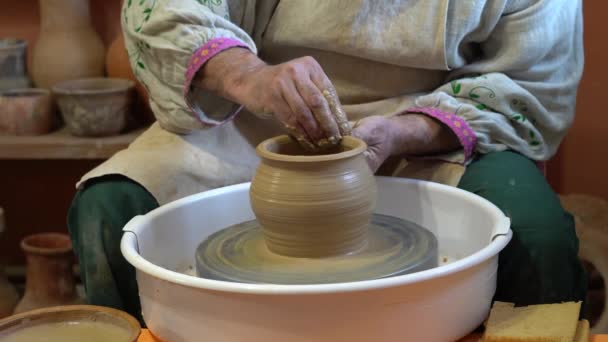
x: 17, y: 43
x: 18, y: 92
x: 116, y: 85
x: 30, y: 317
x: 28, y: 247
x: 356, y: 146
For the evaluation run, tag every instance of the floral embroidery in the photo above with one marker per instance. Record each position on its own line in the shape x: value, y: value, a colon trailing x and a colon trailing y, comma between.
x: 210, y: 2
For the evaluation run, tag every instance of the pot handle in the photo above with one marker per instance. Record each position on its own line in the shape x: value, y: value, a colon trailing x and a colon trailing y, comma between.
x: 503, y: 229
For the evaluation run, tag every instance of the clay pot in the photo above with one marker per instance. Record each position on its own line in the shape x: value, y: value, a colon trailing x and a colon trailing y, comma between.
x: 26, y: 112
x: 68, y: 47
x: 95, y: 106
x: 49, y: 279
x: 313, y: 205
x: 93, y: 323
x: 118, y: 66
x: 13, y: 70
x: 8, y: 294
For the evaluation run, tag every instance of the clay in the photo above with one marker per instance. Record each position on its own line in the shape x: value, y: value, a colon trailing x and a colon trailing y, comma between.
x: 313, y: 205
x: 68, y: 47
x: 394, y: 247
x: 26, y: 112
x: 71, y: 323
x: 118, y: 66
x: 13, y: 70
x: 49, y: 278
x: 95, y: 106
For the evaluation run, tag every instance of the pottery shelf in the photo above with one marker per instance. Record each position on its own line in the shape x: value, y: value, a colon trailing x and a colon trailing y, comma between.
x: 62, y: 145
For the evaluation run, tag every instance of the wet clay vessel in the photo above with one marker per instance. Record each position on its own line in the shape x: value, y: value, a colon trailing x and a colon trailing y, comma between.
x: 313, y: 205
x: 49, y: 278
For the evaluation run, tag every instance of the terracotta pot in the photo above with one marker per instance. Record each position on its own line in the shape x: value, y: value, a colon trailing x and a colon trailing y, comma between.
x: 68, y: 47
x: 95, y: 106
x: 26, y: 112
x: 13, y: 70
x: 118, y: 66
x: 313, y: 205
x: 49, y: 279
x: 94, y: 323
x: 8, y: 294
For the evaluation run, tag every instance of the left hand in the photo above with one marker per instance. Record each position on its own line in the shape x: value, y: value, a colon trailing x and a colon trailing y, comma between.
x: 378, y: 134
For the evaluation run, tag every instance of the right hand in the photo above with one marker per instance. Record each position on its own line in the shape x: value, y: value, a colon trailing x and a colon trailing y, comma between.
x: 297, y: 93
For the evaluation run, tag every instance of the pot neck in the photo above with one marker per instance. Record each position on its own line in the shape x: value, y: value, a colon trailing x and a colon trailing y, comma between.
x: 64, y: 14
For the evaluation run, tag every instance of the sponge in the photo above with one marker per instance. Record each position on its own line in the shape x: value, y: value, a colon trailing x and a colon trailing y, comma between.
x: 535, y: 323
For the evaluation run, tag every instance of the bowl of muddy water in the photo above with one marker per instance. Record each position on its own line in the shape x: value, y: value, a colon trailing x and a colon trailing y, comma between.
x: 72, y: 323
x: 437, y: 304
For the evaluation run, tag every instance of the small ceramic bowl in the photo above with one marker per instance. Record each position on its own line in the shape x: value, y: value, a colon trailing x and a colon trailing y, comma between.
x: 27, y: 111
x: 95, y: 106
x: 85, y: 322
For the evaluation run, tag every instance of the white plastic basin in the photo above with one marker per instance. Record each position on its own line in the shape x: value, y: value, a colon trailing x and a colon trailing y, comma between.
x: 440, y: 304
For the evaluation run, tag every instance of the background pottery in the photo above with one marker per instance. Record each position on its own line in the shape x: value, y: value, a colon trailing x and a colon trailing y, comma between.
x: 49, y: 279
x: 26, y: 111
x: 8, y: 294
x: 95, y: 323
x: 13, y: 70
x: 68, y: 47
x: 118, y: 66
x: 95, y: 106
x: 313, y: 205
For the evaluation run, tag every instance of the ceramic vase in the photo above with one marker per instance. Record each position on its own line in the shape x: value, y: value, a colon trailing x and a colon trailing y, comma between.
x: 8, y: 294
x: 313, y: 205
x: 49, y: 279
x: 68, y: 47
x: 118, y: 66
x: 13, y: 70
x: 26, y: 112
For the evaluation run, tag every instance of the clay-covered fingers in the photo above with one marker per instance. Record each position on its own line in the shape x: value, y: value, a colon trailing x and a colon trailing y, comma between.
x: 338, y: 113
x: 321, y: 111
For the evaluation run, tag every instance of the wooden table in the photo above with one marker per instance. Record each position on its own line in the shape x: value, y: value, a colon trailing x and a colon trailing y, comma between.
x: 147, y: 337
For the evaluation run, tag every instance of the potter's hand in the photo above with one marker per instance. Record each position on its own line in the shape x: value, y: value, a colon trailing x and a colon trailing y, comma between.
x: 409, y: 134
x: 377, y: 133
x: 297, y: 92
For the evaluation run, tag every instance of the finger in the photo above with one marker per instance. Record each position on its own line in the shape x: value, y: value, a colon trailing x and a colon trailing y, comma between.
x: 321, y: 111
x: 329, y: 92
x: 302, y: 113
x: 284, y: 114
x: 336, y: 108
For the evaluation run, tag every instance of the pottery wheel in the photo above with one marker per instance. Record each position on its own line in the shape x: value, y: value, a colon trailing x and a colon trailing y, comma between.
x: 239, y: 254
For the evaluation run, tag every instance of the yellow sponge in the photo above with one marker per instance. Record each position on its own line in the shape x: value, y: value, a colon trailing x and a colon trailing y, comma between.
x: 535, y: 323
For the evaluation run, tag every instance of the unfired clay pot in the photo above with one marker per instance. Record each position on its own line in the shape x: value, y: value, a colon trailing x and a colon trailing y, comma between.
x: 13, y: 70
x: 68, y: 47
x: 26, y: 112
x: 95, y: 106
x: 118, y: 66
x: 49, y: 279
x: 313, y: 205
x: 8, y: 294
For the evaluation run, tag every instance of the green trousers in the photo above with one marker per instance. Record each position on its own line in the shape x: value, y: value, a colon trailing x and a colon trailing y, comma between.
x: 539, y: 265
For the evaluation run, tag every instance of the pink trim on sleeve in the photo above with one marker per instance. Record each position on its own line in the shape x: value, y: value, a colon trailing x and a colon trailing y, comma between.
x: 205, y: 52
x: 459, y: 126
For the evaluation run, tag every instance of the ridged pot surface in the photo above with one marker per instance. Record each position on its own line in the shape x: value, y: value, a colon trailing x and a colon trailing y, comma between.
x: 313, y: 205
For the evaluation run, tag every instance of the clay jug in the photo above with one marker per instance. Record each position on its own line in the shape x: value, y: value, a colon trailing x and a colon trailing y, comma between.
x: 49, y: 278
x: 118, y: 66
x: 313, y: 205
x: 68, y: 47
x: 8, y: 294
